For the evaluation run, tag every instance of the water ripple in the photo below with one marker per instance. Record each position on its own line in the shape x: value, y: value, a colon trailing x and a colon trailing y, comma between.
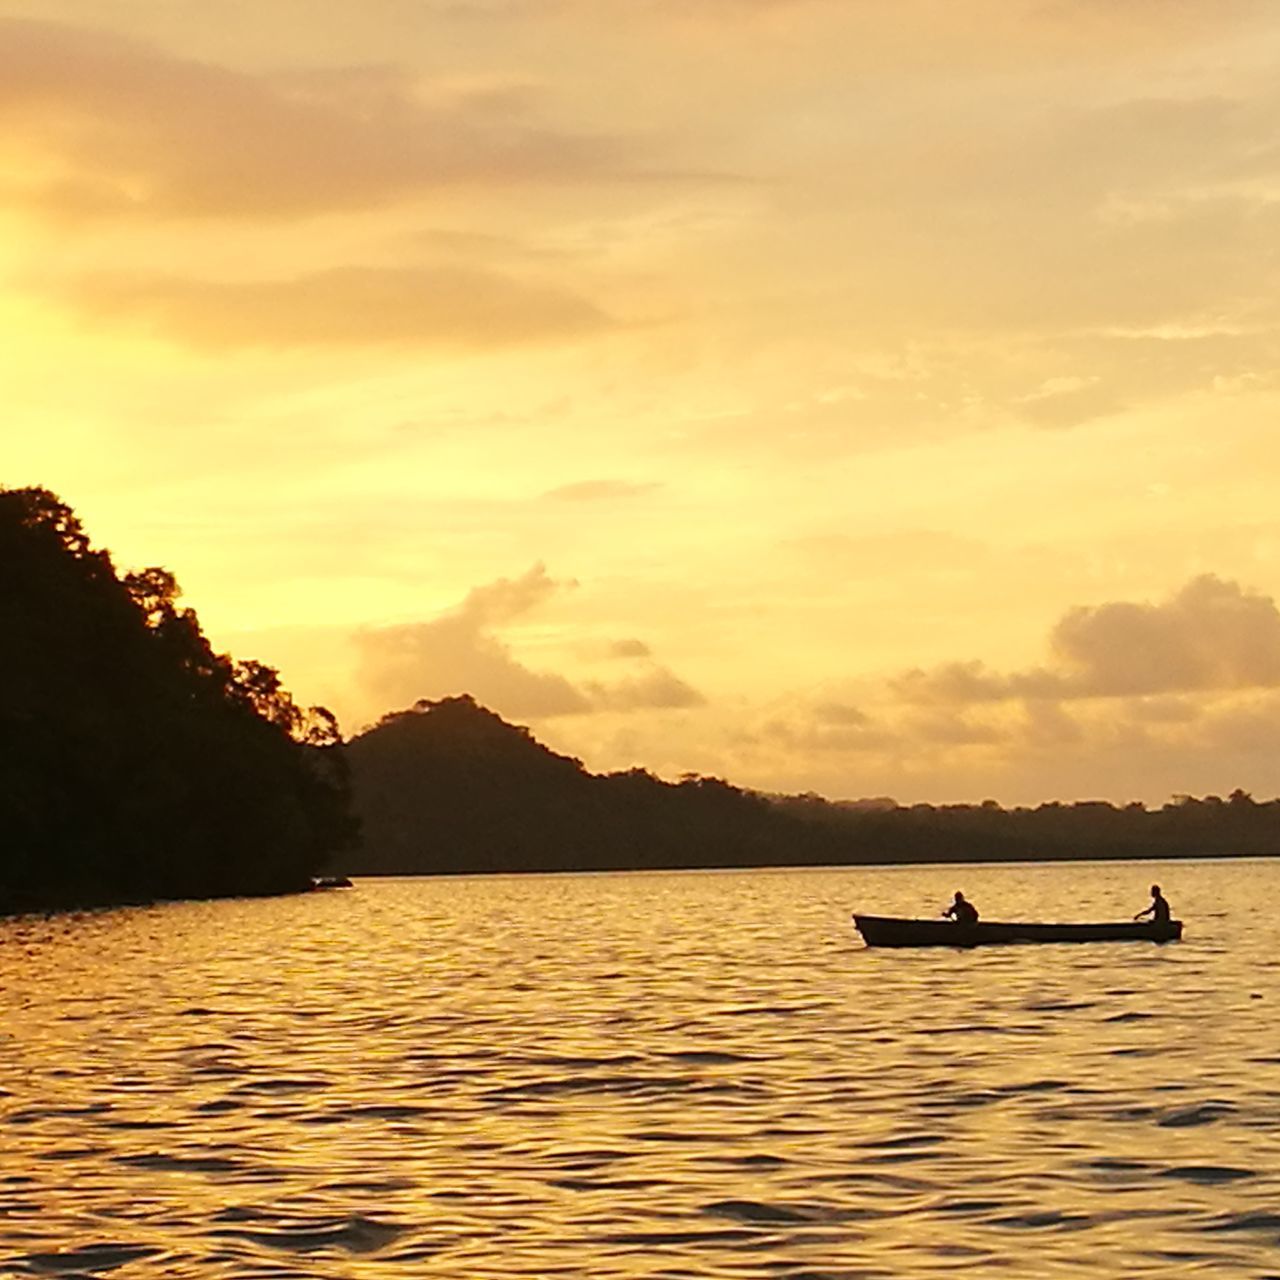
x: 578, y: 1075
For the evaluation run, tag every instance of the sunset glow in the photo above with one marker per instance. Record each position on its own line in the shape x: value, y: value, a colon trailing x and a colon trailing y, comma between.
x: 877, y: 399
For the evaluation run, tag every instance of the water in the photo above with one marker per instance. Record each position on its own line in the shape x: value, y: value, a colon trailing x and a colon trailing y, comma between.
x: 640, y: 1075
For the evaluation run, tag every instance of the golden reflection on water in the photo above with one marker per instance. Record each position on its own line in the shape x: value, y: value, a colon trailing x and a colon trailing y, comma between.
x: 680, y: 1075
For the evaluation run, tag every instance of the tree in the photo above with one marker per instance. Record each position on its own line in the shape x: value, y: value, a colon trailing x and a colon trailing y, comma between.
x: 135, y: 762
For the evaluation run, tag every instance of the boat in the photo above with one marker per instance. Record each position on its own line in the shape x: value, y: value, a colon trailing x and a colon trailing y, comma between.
x: 891, y: 931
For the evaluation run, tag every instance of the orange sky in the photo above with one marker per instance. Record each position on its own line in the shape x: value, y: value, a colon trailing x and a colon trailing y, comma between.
x: 871, y: 398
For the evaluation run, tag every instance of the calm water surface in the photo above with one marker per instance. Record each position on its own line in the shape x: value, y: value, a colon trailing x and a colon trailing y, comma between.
x: 639, y: 1075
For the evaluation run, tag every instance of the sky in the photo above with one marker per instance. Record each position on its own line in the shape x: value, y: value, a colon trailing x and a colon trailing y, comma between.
x: 874, y: 399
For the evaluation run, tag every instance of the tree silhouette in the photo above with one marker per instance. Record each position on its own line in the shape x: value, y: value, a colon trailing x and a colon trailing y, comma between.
x: 449, y: 786
x: 135, y: 762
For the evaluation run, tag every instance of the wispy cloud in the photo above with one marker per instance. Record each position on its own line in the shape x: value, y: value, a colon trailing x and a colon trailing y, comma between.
x: 353, y: 306
x: 110, y: 126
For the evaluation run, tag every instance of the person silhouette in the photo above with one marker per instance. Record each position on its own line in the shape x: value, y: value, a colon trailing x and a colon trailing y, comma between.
x: 1159, y: 908
x: 962, y: 911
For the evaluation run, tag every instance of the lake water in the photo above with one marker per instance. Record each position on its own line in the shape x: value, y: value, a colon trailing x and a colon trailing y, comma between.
x: 640, y: 1075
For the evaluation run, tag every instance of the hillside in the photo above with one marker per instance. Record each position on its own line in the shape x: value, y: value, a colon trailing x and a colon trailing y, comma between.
x: 450, y: 787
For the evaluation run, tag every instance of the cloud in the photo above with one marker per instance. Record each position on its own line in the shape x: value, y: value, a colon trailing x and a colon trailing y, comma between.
x: 1021, y: 751
x: 656, y: 687
x: 897, y: 32
x: 953, y: 684
x: 440, y: 307
x: 1134, y: 699
x: 459, y: 652
x: 952, y: 729
x: 826, y: 729
x: 1252, y: 728
x: 1211, y: 635
x: 629, y: 648
x: 507, y: 598
x: 1068, y: 402
x: 841, y: 713
x: 111, y: 126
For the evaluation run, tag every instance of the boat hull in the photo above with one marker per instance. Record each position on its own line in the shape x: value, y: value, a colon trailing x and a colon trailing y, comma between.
x: 890, y: 931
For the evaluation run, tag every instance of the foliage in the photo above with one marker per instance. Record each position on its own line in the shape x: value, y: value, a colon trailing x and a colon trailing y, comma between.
x: 1183, y: 828
x: 449, y: 786
x: 136, y: 763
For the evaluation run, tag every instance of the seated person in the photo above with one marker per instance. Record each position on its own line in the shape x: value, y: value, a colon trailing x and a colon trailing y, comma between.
x: 963, y: 911
x: 1159, y: 908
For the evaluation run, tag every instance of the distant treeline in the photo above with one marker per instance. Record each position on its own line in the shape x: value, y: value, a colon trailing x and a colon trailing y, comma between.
x: 136, y: 763
x: 450, y: 787
x: 1185, y: 828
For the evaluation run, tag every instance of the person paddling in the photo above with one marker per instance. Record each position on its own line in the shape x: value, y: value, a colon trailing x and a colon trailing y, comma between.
x: 962, y: 911
x: 1159, y: 908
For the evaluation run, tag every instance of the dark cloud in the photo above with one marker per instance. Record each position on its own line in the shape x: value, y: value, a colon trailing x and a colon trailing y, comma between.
x: 346, y: 306
x: 1212, y: 635
x: 120, y: 127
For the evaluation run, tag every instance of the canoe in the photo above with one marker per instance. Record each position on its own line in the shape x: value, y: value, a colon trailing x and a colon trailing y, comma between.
x: 889, y: 931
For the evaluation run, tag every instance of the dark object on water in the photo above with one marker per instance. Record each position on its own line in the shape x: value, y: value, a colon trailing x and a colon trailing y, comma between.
x: 890, y: 931
x: 330, y: 882
x: 1159, y: 908
x: 962, y: 911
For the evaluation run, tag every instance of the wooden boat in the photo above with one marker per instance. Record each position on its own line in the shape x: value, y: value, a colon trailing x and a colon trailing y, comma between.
x: 890, y: 931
